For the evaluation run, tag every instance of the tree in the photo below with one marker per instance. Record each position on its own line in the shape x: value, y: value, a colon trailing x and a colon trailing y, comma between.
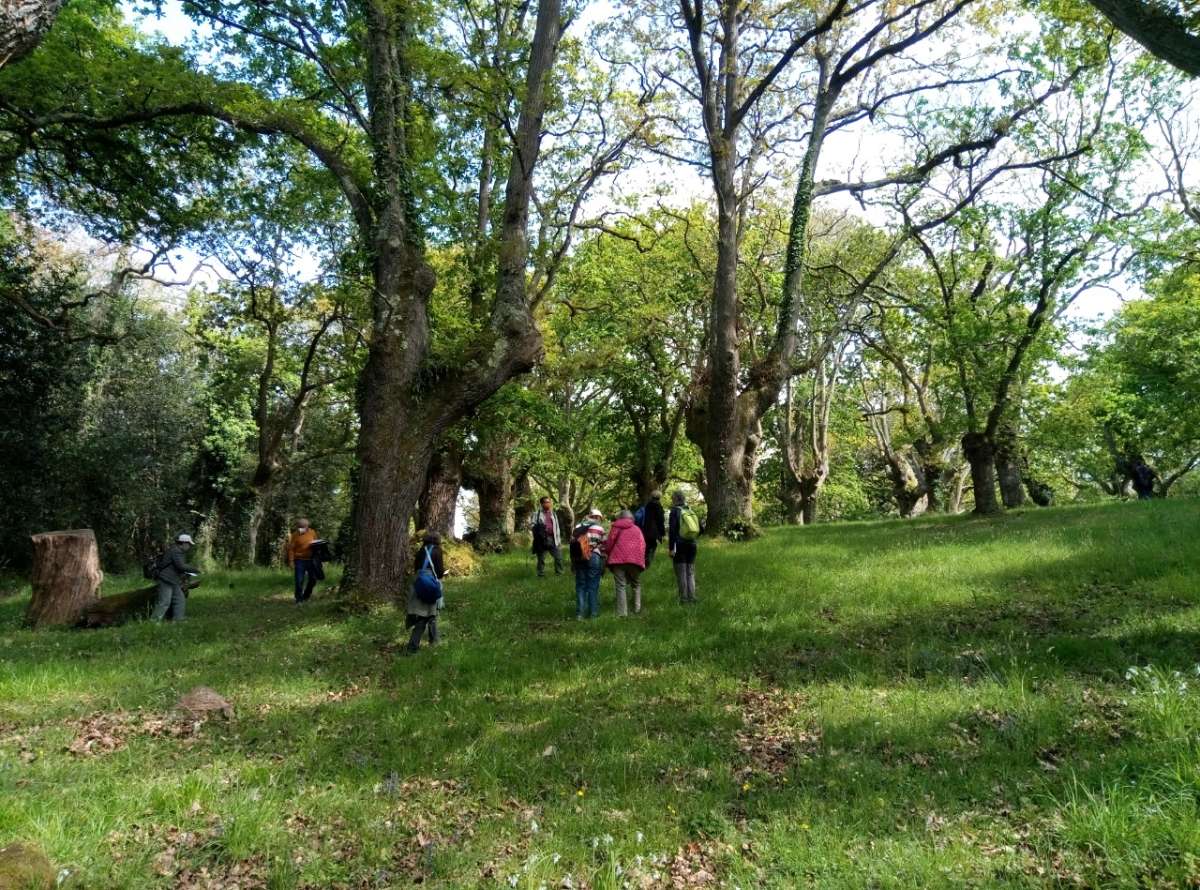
x: 1164, y: 27
x: 342, y: 82
x: 1132, y: 398
x: 23, y: 23
x: 750, y: 72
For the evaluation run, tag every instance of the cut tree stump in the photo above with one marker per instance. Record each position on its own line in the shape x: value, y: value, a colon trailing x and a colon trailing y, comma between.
x: 66, y: 577
x: 109, y: 611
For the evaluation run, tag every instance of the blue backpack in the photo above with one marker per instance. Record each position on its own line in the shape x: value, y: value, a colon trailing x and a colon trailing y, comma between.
x: 639, y: 517
x: 426, y: 585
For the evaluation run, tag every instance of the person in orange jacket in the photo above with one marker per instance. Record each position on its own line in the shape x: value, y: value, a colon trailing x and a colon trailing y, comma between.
x: 299, y: 557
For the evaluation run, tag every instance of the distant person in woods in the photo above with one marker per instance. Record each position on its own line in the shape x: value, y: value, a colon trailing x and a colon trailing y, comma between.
x: 1144, y: 478
x: 626, y: 551
x: 299, y: 555
x: 547, y: 538
x: 683, y: 529
x: 425, y: 598
x: 587, y: 560
x: 173, y: 572
x: 651, y: 519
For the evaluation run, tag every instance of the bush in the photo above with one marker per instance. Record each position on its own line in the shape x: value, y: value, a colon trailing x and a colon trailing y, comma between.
x: 741, y: 530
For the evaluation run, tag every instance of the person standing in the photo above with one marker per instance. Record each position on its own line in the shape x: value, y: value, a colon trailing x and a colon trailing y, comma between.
x: 299, y: 556
x: 683, y: 530
x: 589, y: 566
x: 547, y: 538
x: 172, y: 574
x: 1144, y: 478
x: 653, y: 524
x: 421, y: 616
x: 626, y: 552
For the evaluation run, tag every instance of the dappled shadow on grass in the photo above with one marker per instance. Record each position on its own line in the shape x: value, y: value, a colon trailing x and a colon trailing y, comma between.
x: 951, y: 668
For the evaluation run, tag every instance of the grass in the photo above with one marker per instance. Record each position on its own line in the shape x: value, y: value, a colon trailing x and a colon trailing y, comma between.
x: 938, y: 703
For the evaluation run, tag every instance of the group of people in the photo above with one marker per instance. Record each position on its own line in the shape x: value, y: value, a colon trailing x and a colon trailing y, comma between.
x: 626, y: 549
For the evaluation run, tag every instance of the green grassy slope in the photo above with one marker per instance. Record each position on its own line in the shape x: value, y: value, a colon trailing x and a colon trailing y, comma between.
x: 939, y: 703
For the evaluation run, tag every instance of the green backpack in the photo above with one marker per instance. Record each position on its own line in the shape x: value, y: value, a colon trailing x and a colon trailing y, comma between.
x: 689, y: 524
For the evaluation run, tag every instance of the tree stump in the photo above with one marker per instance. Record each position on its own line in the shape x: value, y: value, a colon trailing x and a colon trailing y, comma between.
x: 66, y: 577
x: 110, y: 611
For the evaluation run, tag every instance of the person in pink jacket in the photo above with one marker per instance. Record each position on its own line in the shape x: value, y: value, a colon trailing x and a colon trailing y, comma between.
x: 626, y: 552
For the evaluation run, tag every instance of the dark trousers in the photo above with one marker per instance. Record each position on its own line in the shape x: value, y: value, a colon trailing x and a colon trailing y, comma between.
x: 421, y: 623
x: 651, y: 547
x: 306, y: 578
x: 541, y: 560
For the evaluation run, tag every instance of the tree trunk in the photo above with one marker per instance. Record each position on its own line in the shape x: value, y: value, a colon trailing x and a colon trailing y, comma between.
x: 956, y: 488
x: 981, y: 455
x: 254, y: 531
x: 403, y: 419
x: 495, y: 513
x: 1156, y: 27
x: 23, y: 24
x: 808, y: 504
x: 1012, y: 489
x: 522, y: 501
x: 110, y: 611
x: 1008, y: 468
x: 440, y: 497
x: 66, y: 577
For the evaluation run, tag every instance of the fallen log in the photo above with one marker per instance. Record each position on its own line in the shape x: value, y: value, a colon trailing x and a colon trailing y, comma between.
x: 66, y: 577
x: 110, y: 611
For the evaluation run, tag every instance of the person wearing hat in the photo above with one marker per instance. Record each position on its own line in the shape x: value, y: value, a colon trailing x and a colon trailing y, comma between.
x: 652, y: 520
x: 172, y: 572
x: 588, y: 574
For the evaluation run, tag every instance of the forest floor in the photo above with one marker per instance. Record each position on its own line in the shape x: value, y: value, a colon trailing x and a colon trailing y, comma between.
x: 945, y: 702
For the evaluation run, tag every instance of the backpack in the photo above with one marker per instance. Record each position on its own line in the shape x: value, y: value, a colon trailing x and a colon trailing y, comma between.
x: 639, y: 517
x: 581, y: 545
x: 689, y: 524
x: 151, y: 567
x: 426, y: 585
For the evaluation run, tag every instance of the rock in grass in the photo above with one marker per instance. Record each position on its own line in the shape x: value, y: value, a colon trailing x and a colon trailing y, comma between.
x: 23, y: 867
x: 202, y: 701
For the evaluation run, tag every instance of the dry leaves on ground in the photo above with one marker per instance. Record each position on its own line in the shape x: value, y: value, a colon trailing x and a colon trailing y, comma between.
x: 103, y: 733
x: 769, y: 740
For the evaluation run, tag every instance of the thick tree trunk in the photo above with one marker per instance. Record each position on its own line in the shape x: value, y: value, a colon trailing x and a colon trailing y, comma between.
x: 981, y: 455
x: 495, y: 512
x: 109, y: 611
x: 407, y: 407
x: 1161, y: 31
x: 66, y: 577
x: 799, y: 495
x: 1012, y: 489
x: 522, y: 501
x: 440, y: 497
x: 1008, y: 467
x: 808, y: 506
x: 907, y: 488
x: 23, y: 24
x: 728, y: 470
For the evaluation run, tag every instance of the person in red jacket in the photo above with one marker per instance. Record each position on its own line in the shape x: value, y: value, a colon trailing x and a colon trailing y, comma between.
x: 626, y: 552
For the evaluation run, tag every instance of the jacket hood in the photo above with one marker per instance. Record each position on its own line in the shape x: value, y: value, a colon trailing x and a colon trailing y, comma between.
x: 623, y: 523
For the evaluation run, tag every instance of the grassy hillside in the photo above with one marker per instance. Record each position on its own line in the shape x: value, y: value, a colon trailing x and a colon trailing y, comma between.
x: 939, y: 703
